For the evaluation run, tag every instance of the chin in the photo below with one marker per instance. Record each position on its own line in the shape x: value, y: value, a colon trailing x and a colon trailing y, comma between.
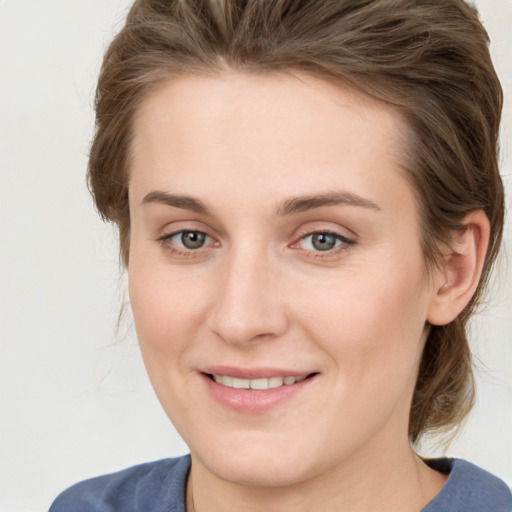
x: 258, y: 464
x: 258, y: 473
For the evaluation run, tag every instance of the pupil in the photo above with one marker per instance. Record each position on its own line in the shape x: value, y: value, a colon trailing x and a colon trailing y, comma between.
x: 323, y: 241
x: 192, y: 239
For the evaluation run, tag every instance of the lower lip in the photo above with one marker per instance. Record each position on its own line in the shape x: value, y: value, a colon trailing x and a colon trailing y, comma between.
x: 257, y: 400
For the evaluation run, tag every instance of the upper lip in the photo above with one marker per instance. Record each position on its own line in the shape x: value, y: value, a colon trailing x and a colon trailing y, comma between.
x: 253, y: 373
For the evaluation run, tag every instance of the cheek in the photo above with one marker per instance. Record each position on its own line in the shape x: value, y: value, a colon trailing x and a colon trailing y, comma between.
x: 166, y: 315
x: 371, y: 324
x: 165, y: 306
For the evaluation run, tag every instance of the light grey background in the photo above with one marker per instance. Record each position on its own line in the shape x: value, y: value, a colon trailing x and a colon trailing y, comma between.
x: 75, y: 401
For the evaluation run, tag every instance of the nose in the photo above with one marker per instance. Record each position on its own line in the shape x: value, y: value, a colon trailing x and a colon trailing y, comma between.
x: 248, y: 305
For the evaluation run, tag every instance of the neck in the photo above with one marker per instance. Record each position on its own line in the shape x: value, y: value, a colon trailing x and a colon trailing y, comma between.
x: 395, y: 481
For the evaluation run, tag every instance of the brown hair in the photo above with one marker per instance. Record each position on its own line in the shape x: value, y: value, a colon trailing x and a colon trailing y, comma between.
x: 428, y: 58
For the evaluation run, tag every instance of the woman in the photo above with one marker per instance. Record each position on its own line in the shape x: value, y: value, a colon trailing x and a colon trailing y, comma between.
x: 309, y: 206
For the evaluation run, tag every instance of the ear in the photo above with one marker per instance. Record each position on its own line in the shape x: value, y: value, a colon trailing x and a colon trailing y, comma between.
x: 458, y: 278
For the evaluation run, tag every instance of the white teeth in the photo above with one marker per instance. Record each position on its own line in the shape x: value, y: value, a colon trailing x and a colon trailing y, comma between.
x: 227, y: 381
x: 259, y: 383
x: 240, y: 383
x: 275, y: 382
x: 270, y: 383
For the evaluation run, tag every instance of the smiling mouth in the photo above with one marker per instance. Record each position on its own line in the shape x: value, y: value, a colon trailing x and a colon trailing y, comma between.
x: 258, y: 384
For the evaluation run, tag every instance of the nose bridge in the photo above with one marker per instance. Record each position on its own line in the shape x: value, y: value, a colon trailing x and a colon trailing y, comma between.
x: 247, y: 304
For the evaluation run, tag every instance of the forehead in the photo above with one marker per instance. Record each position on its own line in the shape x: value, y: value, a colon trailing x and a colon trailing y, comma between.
x: 296, y: 132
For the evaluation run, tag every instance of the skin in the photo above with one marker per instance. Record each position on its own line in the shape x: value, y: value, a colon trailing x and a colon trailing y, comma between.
x: 258, y: 293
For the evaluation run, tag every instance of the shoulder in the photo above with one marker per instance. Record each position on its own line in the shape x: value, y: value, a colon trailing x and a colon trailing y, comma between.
x: 469, y: 489
x: 157, y: 486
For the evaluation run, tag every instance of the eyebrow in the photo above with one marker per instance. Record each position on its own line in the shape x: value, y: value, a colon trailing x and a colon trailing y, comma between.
x: 332, y: 198
x: 287, y: 207
x: 177, y: 201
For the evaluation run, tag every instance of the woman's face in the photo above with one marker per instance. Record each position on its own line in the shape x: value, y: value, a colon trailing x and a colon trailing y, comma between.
x: 275, y: 244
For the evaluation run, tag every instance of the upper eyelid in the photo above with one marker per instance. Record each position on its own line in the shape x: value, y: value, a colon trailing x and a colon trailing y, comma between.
x: 319, y: 225
x: 342, y: 238
x: 325, y: 231
x: 169, y: 231
x: 172, y: 234
x: 309, y: 232
x: 177, y: 231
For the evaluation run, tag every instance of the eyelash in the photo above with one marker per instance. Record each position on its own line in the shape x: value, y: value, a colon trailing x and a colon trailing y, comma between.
x: 345, y: 244
x: 166, y: 242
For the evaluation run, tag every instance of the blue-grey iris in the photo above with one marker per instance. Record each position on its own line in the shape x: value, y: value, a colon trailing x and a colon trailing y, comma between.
x: 193, y: 239
x: 323, y: 241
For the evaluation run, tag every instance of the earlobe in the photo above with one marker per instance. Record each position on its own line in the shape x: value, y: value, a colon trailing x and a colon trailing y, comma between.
x: 460, y: 274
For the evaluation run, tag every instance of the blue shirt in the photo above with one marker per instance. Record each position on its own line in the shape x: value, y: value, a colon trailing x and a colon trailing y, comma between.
x: 160, y: 487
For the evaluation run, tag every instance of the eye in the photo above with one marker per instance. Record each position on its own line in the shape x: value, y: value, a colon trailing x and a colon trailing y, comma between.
x: 323, y: 241
x: 188, y: 240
